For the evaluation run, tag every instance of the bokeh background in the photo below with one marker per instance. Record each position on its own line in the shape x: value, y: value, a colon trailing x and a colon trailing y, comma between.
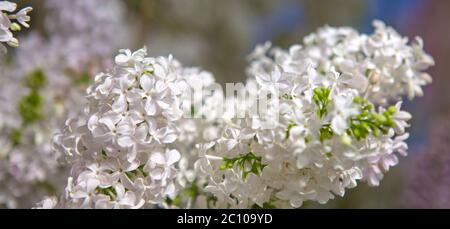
x: 218, y: 35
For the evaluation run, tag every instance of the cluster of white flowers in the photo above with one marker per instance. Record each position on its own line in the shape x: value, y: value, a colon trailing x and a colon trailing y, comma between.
x: 42, y: 86
x: 7, y: 27
x: 331, y: 117
x: 122, y: 152
x: 335, y: 124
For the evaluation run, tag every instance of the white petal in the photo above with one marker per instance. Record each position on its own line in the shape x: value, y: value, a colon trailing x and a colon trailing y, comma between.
x: 131, y: 155
x: 129, y: 199
x: 125, y: 141
x: 159, y: 71
x: 125, y: 128
x: 403, y: 115
x: 296, y: 202
x: 141, y: 132
x: 146, y: 83
x: 122, y: 59
x: 172, y: 157
x: 158, y: 158
x: 165, y: 135
x: 120, y: 105
x: 231, y: 144
x: 7, y: 6
x: 92, y: 184
x: 170, y: 189
x: 276, y: 74
x: 152, y: 126
x: 169, y: 138
x: 339, y: 125
x: 163, y: 104
x: 150, y: 107
x: 120, y: 190
x: 302, y: 161
x: 108, y: 122
x: 157, y: 173
x: 262, y: 79
x: 160, y: 86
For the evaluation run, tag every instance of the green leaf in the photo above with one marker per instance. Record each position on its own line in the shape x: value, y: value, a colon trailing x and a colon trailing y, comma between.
x: 110, y: 191
x: 192, y: 191
x: 321, y: 98
x: 326, y: 133
x: 84, y: 79
x: 177, y: 201
x: 35, y: 80
x: 369, y: 121
x: 248, y: 163
x: 30, y: 107
x: 16, y: 136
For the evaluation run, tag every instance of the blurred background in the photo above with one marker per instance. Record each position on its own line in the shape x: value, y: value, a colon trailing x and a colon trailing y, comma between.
x: 218, y: 35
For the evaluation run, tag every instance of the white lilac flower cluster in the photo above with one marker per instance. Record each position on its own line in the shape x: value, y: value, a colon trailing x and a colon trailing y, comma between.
x: 41, y: 87
x: 122, y: 152
x: 332, y: 118
x: 336, y: 123
x: 7, y: 27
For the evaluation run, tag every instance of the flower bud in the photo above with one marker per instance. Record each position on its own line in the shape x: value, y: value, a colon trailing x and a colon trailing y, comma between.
x: 15, y: 27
